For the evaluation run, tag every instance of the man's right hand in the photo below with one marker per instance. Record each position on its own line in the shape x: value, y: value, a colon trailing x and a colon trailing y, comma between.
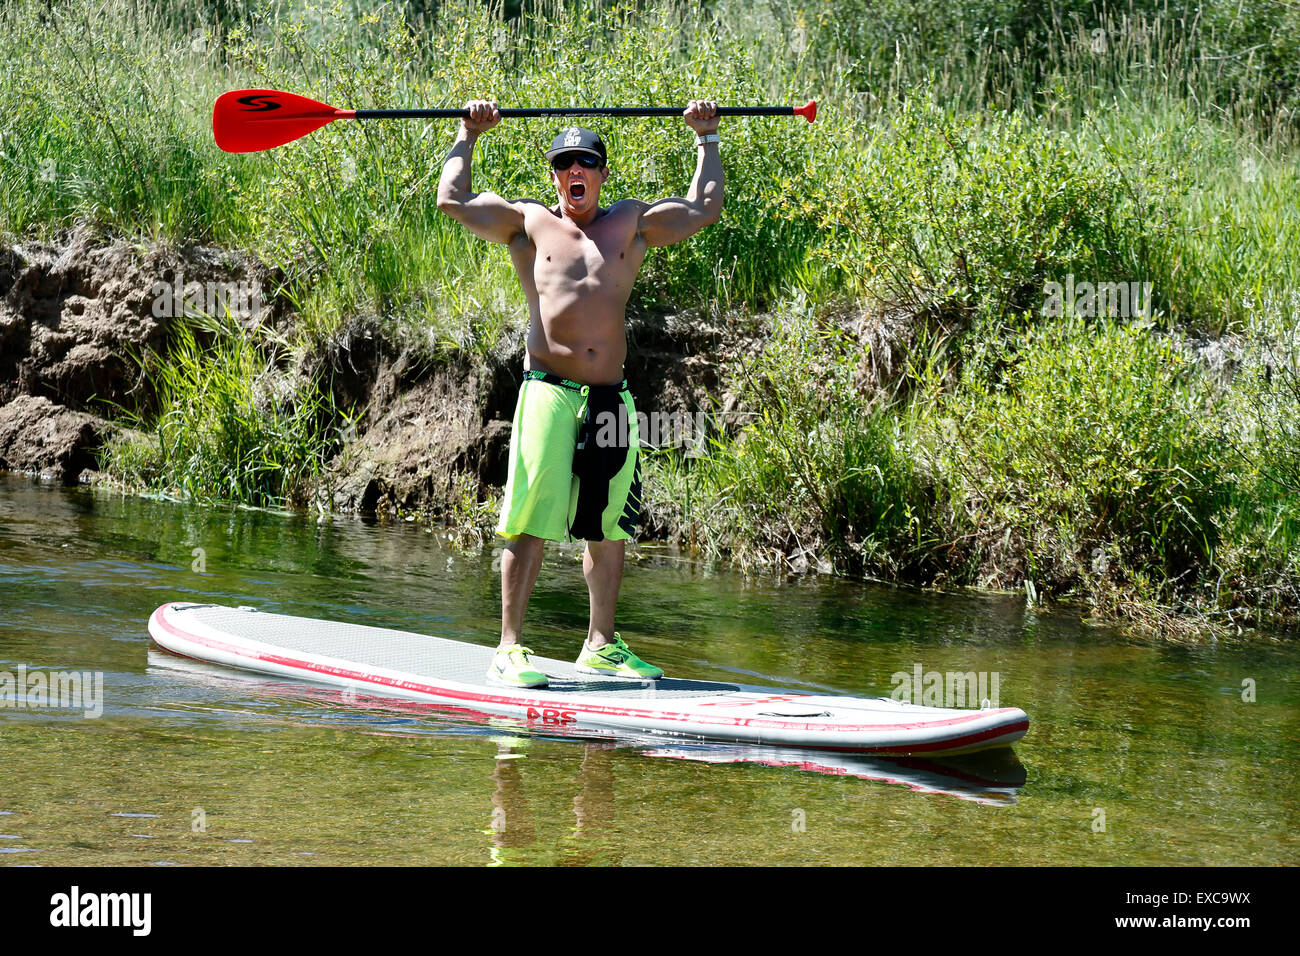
x: 483, y: 115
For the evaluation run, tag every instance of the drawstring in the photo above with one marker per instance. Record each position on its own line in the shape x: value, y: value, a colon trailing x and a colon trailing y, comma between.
x: 585, y: 391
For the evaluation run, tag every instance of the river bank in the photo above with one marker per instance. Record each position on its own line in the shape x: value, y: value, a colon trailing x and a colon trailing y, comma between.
x: 1018, y: 312
x: 91, y: 327
x: 86, y: 324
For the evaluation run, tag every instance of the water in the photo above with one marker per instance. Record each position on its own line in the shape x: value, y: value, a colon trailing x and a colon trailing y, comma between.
x: 1137, y: 753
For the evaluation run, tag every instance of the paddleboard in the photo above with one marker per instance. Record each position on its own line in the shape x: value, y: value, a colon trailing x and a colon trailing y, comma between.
x: 389, y: 663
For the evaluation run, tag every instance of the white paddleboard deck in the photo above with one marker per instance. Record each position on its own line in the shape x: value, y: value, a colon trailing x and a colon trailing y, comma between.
x: 388, y: 663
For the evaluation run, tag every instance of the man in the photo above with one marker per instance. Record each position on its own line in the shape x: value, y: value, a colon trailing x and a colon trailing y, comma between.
x: 576, y: 262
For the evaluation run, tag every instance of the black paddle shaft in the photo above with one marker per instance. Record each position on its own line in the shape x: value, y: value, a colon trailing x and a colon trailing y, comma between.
x: 575, y: 111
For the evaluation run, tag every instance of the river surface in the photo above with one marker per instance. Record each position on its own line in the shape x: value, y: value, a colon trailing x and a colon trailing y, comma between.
x: 1138, y: 753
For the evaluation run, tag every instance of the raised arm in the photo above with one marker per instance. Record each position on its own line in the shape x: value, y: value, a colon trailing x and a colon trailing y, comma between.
x: 486, y: 215
x: 671, y: 220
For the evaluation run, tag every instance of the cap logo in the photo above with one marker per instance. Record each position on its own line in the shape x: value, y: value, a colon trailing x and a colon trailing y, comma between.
x: 572, y: 137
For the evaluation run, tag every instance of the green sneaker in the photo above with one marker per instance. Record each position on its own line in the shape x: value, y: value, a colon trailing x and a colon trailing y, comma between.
x: 615, y: 660
x: 510, y: 666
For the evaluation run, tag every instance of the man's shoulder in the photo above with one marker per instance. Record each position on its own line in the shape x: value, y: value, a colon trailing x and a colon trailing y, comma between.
x: 533, y: 211
x: 625, y: 207
x: 627, y: 213
x: 529, y: 206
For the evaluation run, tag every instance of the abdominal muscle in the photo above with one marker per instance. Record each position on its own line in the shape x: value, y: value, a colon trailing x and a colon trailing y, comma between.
x: 585, y: 342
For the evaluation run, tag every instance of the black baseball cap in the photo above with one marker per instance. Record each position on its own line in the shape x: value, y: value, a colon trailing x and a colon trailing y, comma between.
x: 578, y: 140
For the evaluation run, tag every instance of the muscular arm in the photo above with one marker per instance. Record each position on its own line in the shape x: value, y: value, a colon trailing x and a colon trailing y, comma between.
x: 671, y: 220
x: 486, y: 215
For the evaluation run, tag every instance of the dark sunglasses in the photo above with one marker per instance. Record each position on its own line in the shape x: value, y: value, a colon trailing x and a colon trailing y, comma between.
x: 565, y: 160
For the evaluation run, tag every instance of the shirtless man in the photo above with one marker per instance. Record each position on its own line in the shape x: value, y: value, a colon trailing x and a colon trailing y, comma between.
x: 570, y: 477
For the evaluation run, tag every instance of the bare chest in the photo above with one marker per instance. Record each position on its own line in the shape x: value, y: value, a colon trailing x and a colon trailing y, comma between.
x: 604, y: 252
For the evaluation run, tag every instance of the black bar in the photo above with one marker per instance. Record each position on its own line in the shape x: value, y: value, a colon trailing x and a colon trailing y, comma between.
x: 575, y: 111
x: 303, y: 905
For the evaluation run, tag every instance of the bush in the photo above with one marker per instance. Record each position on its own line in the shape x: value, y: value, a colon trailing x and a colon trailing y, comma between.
x: 1098, y: 457
x: 232, y: 426
x: 818, y: 473
x: 964, y: 217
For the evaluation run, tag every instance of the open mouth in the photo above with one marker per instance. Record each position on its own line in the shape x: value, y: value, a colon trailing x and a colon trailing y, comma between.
x: 577, y: 190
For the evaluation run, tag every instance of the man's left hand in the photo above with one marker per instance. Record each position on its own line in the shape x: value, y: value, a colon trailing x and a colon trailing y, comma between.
x: 702, y: 116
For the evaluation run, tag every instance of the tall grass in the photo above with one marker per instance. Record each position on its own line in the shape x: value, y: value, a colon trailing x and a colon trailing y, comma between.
x: 1063, y: 58
x: 1099, y: 451
x: 819, y: 474
x: 349, y: 212
x: 965, y: 155
x: 102, y: 109
x: 230, y: 425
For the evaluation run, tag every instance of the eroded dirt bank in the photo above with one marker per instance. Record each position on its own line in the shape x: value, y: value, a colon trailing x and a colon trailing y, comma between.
x: 77, y: 317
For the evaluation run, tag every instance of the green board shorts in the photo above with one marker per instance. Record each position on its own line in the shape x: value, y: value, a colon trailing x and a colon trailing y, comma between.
x: 575, y: 462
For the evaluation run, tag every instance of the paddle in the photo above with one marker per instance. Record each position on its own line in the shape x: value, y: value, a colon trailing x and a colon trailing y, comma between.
x: 246, y: 121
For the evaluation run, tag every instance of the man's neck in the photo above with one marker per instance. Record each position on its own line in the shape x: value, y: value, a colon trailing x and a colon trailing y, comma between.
x: 581, y: 222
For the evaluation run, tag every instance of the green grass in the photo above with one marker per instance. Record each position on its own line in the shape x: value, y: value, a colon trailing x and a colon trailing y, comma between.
x: 817, y: 471
x: 965, y: 155
x: 230, y: 425
x: 1096, y: 465
x: 1098, y: 451
x: 1024, y: 141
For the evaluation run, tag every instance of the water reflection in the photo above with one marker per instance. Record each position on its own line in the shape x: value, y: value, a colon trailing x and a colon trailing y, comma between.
x: 1160, y: 738
x: 991, y: 778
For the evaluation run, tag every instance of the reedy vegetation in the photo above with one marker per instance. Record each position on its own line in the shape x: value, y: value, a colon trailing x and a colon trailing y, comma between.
x: 964, y: 156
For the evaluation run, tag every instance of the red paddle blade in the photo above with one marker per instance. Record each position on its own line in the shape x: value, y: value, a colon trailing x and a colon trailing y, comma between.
x: 246, y: 121
x: 808, y: 111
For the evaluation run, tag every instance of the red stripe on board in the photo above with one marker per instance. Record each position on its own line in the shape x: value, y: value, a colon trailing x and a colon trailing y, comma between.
x: 949, y: 744
x: 435, y: 690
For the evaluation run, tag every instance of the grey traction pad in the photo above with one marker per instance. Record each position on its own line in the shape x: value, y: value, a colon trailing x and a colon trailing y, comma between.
x: 436, y: 658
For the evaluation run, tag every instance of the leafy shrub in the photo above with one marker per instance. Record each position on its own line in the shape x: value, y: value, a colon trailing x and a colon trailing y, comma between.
x: 1101, y: 444
x: 818, y: 471
x: 966, y: 216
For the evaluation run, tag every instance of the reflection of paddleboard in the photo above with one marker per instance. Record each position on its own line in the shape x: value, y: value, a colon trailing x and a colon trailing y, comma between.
x: 991, y: 777
x: 379, y: 661
x: 992, y: 784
